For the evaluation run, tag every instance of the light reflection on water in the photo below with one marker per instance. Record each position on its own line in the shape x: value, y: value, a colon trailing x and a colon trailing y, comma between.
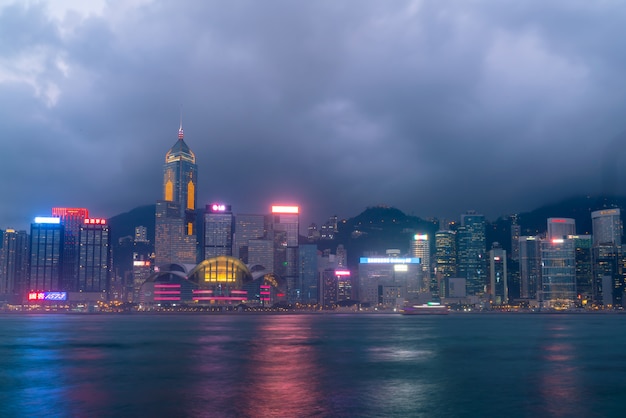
x: 312, y: 365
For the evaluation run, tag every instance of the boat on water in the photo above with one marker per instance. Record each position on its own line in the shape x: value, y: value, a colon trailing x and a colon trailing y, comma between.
x: 430, y: 308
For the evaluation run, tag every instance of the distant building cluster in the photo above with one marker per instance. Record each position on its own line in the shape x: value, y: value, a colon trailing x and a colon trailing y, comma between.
x: 213, y: 257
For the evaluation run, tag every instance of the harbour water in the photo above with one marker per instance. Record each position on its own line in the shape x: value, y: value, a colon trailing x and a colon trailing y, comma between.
x: 313, y: 365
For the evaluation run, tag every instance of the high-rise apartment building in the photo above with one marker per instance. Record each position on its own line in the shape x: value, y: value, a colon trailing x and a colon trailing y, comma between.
x: 471, y: 250
x: 175, y: 238
x: 94, y: 256
x: 46, y: 254
x: 219, y: 223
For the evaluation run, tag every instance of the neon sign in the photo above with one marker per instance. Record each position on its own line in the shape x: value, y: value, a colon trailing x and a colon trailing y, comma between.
x: 49, y: 296
x: 218, y: 208
x: 95, y: 221
x: 285, y: 209
x: 47, y: 220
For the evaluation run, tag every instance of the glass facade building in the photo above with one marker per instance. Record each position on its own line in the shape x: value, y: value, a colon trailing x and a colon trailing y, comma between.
x: 94, y: 257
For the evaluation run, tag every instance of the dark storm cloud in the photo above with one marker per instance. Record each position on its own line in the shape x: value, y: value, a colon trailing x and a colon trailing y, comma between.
x: 432, y: 107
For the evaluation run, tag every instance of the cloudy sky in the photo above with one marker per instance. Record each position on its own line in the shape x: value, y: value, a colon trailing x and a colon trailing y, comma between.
x: 434, y: 107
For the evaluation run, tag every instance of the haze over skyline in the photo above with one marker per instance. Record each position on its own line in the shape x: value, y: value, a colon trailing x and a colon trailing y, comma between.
x: 431, y: 107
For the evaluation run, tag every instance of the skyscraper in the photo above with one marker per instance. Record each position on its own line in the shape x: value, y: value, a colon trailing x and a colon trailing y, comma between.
x: 172, y: 245
x: 46, y: 254
x: 498, y: 286
x: 94, y: 256
x: 607, y: 250
x: 285, y: 231
x: 420, y: 248
x: 558, y: 272
x: 14, y: 263
x: 472, y: 248
x: 607, y: 227
x: 175, y: 239
x: 218, y: 231
x: 559, y: 228
x: 529, y: 266
x: 180, y: 174
x: 72, y: 219
x: 247, y: 227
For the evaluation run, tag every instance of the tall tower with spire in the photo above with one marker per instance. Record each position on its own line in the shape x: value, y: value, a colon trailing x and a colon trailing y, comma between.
x: 180, y: 174
x: 175, y: 240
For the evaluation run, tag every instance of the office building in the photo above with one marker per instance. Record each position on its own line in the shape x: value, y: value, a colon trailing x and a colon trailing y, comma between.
x: 558, y: 273
x: 559, y: 228
x: 471, y: 252
x: 94, y: 257
x: 498, y: 275
x: 607, y: 227
x: 248, y: 227
x: 307, y: 274
x: 46, y: 255
x: 218, y: 231
x: 584, y: 267
x: 172, y: 244
x: 420, y: 248
x: 175, y: 238
x: 72, y: 219
x: 14, y: 263
x: 285, y: 233
x: 388, y: 281
x: 529, y: 266
x: 607, y: 251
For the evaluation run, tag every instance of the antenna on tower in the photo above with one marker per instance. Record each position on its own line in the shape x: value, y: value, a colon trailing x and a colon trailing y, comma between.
x: 181, y: 135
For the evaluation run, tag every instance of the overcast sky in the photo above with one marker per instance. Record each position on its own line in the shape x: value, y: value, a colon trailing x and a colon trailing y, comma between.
x: 433, y: 107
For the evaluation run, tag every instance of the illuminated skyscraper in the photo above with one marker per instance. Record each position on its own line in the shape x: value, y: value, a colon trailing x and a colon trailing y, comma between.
x: 218, y: 231
x: 558, y: 272
x: 94, y: 256
x: 472, y: 249
x: 172, y: 245
x: 72, y: 219
x: 420, y: 248
x: 445, y: 254
x: 46, y: 254
x: 175, y: 239
x: 180, y: 174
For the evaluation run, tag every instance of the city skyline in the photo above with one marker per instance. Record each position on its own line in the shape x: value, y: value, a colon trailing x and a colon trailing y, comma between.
x: 433, y: 108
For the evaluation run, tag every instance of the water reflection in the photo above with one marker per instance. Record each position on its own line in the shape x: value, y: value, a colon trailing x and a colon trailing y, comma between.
x: 559, y: 381
x: 284, y: 375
